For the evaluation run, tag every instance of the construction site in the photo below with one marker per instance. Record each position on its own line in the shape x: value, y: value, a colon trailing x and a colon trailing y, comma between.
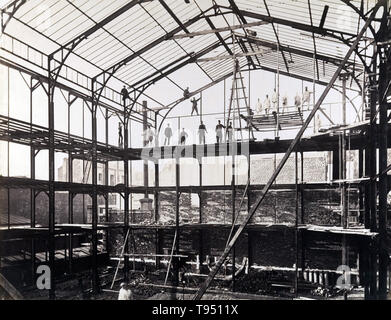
x: 195, y: 149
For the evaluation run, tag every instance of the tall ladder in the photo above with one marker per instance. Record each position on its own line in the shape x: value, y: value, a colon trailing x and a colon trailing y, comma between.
x: 238, y: 102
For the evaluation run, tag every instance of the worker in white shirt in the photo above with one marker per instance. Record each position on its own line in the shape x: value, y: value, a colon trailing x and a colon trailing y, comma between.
x: 259, y: 106
x: 274, y: 100
x: 318, y: 122
x: 306, y: 97
x: 298, y: 102
x: 266, y: 104
x: 125, y: 293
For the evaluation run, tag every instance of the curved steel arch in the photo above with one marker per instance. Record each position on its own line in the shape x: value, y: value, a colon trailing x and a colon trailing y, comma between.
x: 360, y: 13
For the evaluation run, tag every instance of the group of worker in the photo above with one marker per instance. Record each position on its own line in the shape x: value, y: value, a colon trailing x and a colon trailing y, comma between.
x: 202, y: 131
x: 149, y: 135
x: 269, y: 106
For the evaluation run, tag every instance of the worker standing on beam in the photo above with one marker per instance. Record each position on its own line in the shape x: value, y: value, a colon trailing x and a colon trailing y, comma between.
x: 120, y: 136
x: 266, y: 104
x: 201, y: 133
x: 125, y: 94
x: 150, y: 135
x: 183, y: 136
x: 230, y: 131
x: 298, y: 103
x: 318, y: 123
x: 186, y: 93
x: 168, y: 135
x: 194, y: 107
x: 275, y: 100
x: 219, y: 132
x: 306, y: 97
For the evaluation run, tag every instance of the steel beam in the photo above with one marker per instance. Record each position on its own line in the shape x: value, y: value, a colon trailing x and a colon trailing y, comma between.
x: 126, y: 195
x: 222, y: 41
x: 217, y: 30
x: 172, y: 14
x: 383, y: 155
x: 277, y: 37
x: 51, y: 193
x: 236, y: 10
x: 296, y: 25
x: 193, y: 58
x: 94, y: 195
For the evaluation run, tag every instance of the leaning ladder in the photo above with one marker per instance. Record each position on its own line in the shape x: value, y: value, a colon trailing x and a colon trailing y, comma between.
x: 238, y: 101
x: 120, y: 258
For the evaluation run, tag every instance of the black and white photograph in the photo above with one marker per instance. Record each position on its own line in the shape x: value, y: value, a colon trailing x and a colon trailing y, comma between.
x: 195, y: 150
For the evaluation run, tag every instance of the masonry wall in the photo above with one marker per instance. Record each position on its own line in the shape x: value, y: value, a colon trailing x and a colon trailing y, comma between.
x: 20, y: 206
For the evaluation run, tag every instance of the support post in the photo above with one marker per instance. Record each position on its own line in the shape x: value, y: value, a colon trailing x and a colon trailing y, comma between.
x: 126, y: 194
x: 32, y: 212
x: 342, y: 172
x: 384, y: 79
x: 145, y: 143
x: 296, y: 279
x: 51, y: 193
x: 156, y: 193
x: 233, y: 199
x: 156, y: 215
x: 336, y: 164
x: 200, y: 220
x: 106, y: 182
x: 177, y: 200
x: 70, y: 212
x: 94, y: 194
x: 200, y: 192
x: 372, y: 159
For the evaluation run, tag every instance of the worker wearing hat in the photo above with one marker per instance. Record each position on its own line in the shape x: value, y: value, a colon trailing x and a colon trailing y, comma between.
x: 125, y: 293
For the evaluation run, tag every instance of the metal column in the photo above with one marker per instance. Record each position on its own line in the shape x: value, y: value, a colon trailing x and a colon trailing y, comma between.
x: 383, y: 155
x: 51, y: 193
x: 126, y: 194
x: 94, y: 195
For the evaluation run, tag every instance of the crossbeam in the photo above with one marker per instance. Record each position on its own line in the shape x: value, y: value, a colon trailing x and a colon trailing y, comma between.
x: 238, y: 55
x: 216, y: 30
